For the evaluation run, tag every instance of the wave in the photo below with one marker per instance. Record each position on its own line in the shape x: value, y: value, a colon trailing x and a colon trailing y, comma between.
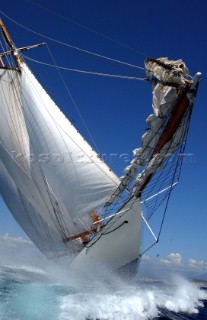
x: 137, y: 301
x: 105, y: 297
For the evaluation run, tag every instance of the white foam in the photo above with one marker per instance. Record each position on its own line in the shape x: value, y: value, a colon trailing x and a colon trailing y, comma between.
x: 132, y: 301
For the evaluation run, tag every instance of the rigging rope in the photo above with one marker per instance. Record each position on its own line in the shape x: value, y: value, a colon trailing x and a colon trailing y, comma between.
x: 71, y: 46
x: 86, y: 27
x: 86, y: 71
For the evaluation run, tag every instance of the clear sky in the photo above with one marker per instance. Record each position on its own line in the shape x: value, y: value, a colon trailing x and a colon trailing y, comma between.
x: 115, y: 109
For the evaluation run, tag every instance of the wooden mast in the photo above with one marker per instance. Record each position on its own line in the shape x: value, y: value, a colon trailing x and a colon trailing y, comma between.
x: 13, y: 50
x: 17, y: 58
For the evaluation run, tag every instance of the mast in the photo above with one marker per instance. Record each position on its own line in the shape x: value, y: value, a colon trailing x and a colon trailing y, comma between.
x: 13, y: 50
x: 17, y: 58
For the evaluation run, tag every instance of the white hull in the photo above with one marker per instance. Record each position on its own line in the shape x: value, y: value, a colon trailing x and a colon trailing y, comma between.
x: 117, y: 244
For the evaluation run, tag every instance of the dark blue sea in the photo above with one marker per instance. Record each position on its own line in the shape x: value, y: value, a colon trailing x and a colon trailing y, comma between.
x: 34, y: 294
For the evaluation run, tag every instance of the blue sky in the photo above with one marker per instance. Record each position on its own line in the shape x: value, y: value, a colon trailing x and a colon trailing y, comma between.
x: 115, y: 109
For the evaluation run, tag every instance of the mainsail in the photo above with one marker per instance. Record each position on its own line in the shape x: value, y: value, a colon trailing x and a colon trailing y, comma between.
x: 51, y: 178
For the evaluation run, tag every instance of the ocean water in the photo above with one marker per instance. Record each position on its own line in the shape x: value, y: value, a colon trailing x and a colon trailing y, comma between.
x: 34, y: 294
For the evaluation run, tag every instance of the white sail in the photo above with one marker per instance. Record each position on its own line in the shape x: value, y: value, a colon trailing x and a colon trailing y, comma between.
x: 46, y: 163
x: 75, y: 172
x: 14, y: 137
x: 31, y: 220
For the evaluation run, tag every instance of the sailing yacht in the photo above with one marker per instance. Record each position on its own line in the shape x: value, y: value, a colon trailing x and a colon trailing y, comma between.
x: 60, y: 191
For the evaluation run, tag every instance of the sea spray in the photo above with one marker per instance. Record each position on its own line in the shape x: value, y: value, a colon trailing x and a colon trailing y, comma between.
x: 185, y: 297
x: 29, y: 295
x: 134, y: 300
